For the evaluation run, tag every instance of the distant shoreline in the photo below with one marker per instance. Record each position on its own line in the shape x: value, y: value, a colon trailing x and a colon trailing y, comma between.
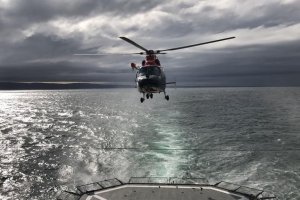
x: 57, y: 86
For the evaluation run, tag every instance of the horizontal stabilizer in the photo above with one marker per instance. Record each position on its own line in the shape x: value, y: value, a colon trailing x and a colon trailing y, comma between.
x: 171, y: 83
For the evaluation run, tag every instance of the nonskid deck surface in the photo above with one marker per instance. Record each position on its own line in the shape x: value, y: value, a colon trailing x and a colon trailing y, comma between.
x: 156, y: 192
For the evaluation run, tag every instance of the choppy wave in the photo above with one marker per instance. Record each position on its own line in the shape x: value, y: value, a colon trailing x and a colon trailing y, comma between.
x: 52, y: 138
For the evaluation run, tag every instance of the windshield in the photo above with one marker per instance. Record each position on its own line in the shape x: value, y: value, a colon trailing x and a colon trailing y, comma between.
x: 149, y: 70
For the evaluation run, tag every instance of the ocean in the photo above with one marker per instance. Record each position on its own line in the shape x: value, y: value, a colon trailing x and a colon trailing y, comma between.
x: 59, y: 138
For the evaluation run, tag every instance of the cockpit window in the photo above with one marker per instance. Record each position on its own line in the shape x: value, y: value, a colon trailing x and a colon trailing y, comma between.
x: 154, y: 71
x: 149, y: 70
x: 143, y: 71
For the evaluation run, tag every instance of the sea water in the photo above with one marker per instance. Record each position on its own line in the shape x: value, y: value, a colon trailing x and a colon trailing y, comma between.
x: 247, y: 136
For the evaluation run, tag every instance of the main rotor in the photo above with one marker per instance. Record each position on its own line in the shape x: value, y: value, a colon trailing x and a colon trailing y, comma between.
x: 145, y: 51
x: 153, y: 52
x: 162, y: 51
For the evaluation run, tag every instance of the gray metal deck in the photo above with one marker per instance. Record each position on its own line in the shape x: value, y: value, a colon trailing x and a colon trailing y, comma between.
x: 163, y: 189
x: 166, y: 192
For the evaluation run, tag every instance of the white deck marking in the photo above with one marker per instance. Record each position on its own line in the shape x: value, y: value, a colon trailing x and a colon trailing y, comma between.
x: 96, y: 197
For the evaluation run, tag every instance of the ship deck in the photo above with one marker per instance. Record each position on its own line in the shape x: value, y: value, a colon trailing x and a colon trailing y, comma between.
x: 166, y: 192
x: 163, y: 189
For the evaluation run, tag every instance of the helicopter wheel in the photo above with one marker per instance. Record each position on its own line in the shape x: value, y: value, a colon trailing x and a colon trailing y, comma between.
x: 167, y: 97
x: 151, y: 95
x: 142, y: 99
x: 147, y: 96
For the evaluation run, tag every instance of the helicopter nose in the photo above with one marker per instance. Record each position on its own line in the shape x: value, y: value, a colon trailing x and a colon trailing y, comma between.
x: 148, y: 82
x: 144, y: 82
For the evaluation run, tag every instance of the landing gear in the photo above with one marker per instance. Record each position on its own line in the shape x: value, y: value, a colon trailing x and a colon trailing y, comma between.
x: 143, y: 98
x: 166, y: 96
x: 149, y: 95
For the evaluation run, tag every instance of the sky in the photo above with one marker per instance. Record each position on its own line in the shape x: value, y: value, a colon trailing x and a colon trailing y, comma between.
x: 38, y: 40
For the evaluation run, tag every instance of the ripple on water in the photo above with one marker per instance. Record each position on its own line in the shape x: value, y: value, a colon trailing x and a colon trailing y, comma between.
x: 52, y: 138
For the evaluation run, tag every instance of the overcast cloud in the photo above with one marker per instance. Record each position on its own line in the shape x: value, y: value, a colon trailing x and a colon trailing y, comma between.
x: 38, y: 40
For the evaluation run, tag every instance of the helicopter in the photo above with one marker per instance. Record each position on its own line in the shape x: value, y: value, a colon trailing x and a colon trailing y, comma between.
x: 150, y: 76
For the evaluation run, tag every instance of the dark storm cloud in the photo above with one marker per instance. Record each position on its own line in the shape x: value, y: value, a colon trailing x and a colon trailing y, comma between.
x: 38, y: 40
x: 37, y: 47
x: 20, y: 15
x: 276, y: 64
x: 272, y: 15
x: 213, y: 20
x: 61, y: 71
x: 21, y: 11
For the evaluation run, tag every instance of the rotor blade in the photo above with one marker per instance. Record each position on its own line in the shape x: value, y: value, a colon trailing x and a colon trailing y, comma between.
x: 93, y: 48
x: 133, y: 43
x: 193, y: 45
x: 107, y: 54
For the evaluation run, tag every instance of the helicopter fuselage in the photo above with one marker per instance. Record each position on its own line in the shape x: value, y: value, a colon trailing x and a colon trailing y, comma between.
x: 151, y: 79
